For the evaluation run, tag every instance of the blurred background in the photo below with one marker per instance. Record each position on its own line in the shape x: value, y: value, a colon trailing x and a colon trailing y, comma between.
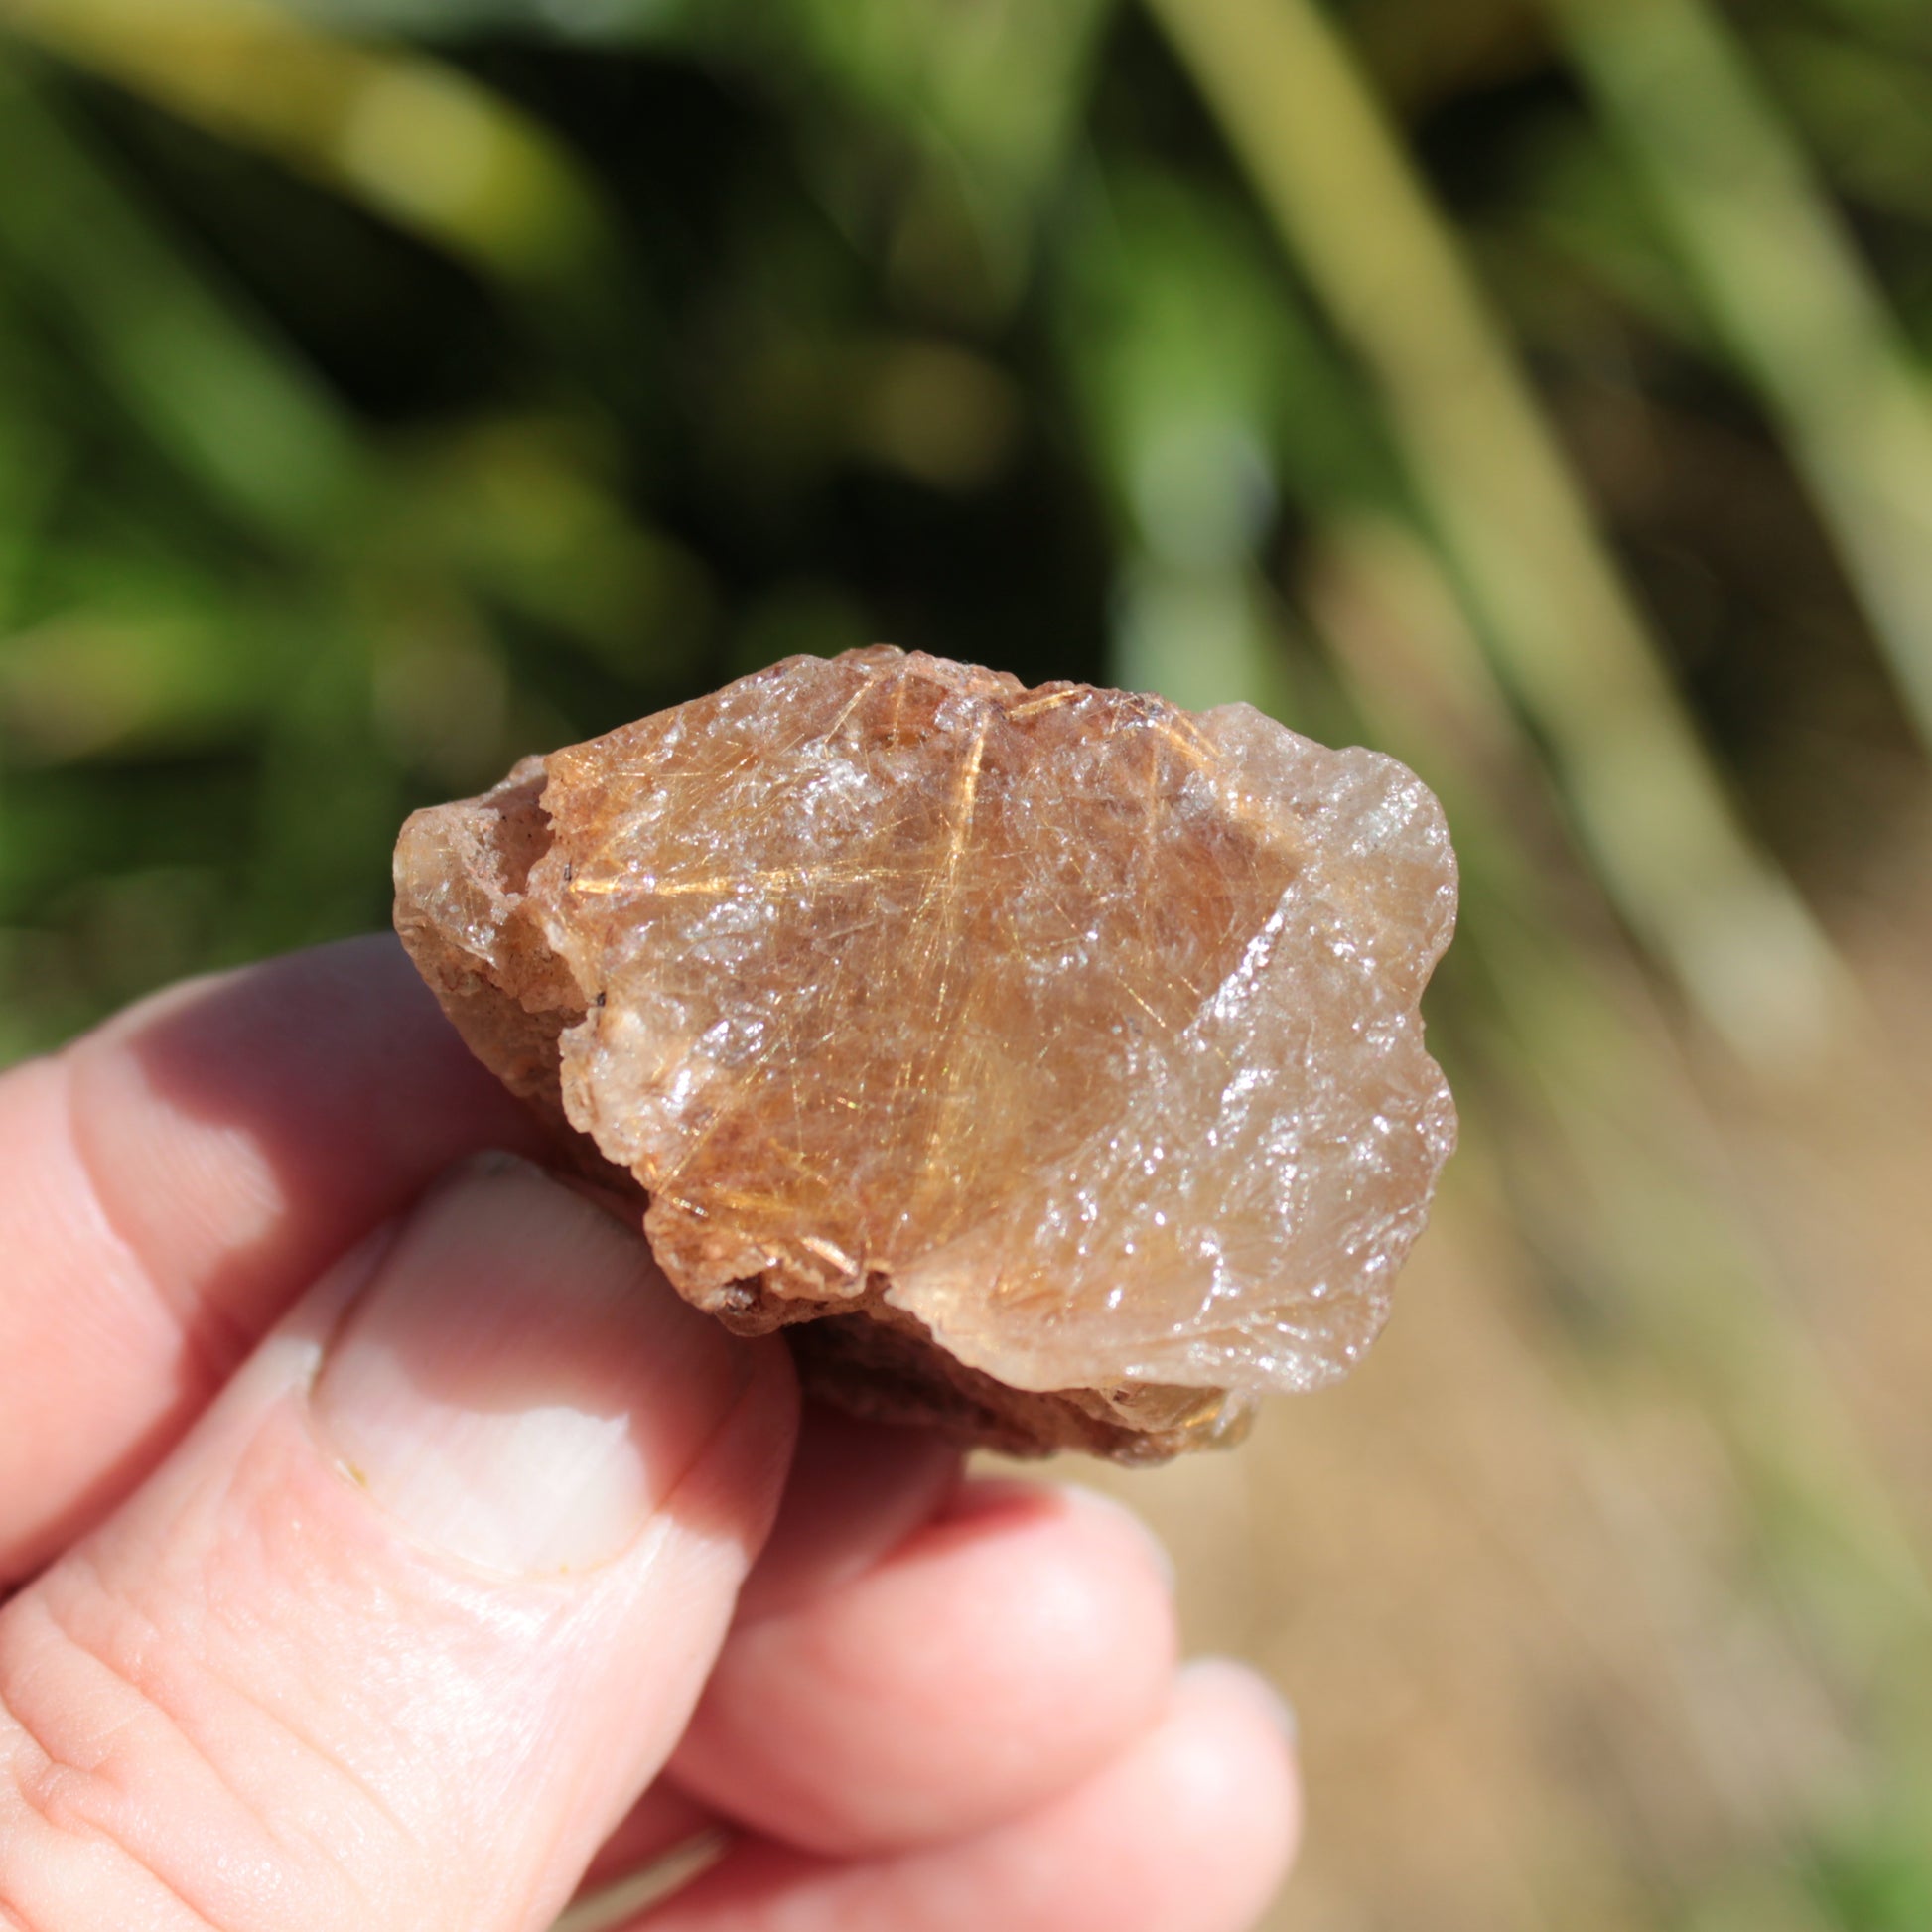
x: 1534, y: 388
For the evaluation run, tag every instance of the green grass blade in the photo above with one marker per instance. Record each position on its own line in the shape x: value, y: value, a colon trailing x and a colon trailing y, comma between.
x: 228, y: 403
x: 1648, y: 800
x: 406, y: 135
x: 1786, y: 288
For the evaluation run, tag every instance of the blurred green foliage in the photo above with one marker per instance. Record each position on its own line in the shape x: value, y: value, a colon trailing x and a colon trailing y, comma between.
x: 1536, y: 387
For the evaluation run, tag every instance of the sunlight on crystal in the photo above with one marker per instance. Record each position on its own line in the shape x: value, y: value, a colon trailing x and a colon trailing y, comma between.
x: 1067, y: 1038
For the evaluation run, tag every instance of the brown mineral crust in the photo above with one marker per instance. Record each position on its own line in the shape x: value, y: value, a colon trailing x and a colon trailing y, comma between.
x: 470, y: 933
x: 882, y: 1366
x: 1053, y: 1054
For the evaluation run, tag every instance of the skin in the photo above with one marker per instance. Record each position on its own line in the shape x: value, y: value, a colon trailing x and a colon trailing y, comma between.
x: 246, y: 1682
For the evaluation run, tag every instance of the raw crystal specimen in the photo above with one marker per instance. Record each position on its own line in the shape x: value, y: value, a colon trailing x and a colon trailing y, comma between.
x: 1051, y: 1057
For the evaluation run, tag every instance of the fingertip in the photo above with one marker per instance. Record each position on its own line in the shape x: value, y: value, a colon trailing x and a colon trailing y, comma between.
x: 1090, y: 1587
x: 857, y: 1491
x: 999, y: 1655
x: 1112, y: 1517
x: 1234, y: 1777
x: 1190, y: 1828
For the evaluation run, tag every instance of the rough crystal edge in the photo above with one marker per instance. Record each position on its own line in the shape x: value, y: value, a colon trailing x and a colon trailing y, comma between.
x: 881, y: 1363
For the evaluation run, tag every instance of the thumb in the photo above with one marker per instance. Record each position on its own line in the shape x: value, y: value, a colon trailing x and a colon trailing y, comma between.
x: 408, y: 1622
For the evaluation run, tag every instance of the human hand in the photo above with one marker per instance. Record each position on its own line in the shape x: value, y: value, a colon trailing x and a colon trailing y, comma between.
x: 401, y: 1587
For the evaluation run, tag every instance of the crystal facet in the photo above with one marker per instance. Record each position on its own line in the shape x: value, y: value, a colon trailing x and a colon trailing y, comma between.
x: 1055, y: 1054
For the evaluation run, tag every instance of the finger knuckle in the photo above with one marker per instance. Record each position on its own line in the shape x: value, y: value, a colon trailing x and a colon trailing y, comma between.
x: 115, y: 1805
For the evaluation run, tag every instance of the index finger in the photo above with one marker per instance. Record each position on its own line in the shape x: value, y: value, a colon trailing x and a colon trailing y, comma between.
x: 170, y: 1181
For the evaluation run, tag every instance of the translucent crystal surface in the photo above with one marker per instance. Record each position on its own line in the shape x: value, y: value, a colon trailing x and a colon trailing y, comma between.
x: 1071, y: 1029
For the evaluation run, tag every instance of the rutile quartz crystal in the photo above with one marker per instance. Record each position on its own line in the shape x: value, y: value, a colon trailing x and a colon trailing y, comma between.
x: 1048, y: 1061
